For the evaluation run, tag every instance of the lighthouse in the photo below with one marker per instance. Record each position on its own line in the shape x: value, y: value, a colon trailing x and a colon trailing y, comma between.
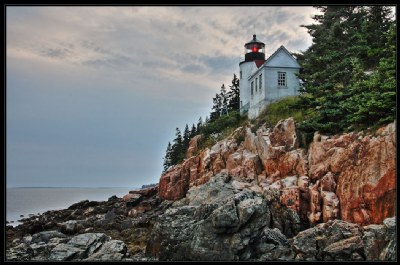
x: 263, y: 81
x: 254, y: 57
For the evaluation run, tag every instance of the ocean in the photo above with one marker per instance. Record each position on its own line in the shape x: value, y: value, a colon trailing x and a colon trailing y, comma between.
x: 25, y: 201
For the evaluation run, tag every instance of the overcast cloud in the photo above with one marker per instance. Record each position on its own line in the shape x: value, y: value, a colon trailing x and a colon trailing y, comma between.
x: 94, y: 94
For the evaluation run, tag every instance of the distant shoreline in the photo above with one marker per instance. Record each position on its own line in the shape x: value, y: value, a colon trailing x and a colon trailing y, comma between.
x: 37, y: 200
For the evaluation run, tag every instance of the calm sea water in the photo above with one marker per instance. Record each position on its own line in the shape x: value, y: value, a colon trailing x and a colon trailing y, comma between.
x: 25, y: 201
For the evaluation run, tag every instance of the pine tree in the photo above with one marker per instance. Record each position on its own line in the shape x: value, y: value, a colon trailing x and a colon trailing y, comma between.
x: 376, y: 25
x: 199, y: 124
x: 167, y: 158
x: 373, y: 97
x: 216, y: 108
x: 224, y: 100
x: 342, y: 49
x: 234, y: 95
x: 186, y: 139
x: 193, y: 131
x: 176, y: 150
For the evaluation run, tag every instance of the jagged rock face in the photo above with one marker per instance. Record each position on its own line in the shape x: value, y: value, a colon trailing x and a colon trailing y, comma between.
x: 351, y: 176
x: 225, y: 219
x: 284, y: 134
x: 257, y: 158
x: 172, y: 184
x: 364, y: 170
x: 193, y: 146
x: 217, y: 221
x: 339, y: 240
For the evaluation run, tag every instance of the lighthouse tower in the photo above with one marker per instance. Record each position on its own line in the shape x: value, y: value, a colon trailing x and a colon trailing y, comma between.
x: 254, y: 57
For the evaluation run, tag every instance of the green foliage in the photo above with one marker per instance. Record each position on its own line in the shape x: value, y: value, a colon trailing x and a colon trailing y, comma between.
x: 234, y: 94
x: 220, y: 128
x: 167, y: 158
x: 338, y: 94
x: 226, y: 101
x: 281, y: 109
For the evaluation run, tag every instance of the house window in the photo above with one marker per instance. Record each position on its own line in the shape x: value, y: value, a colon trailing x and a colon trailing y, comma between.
x: 260, y: 85
x: 240, y: 74
x: 281, y: 78
x: 252, y: 89
x: 256, y: 83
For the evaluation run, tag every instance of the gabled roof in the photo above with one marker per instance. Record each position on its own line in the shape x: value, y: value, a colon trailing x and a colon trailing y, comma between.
x: 270, y: 58
x: 282, y: 48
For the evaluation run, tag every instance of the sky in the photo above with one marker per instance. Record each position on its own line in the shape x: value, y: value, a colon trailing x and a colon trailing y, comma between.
x: 94, y: 93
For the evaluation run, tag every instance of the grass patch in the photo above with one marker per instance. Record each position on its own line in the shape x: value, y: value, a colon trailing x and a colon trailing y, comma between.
x: 279, y: 110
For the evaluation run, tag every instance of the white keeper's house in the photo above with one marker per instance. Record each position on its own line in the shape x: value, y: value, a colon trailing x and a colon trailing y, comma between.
x: 264, y: 81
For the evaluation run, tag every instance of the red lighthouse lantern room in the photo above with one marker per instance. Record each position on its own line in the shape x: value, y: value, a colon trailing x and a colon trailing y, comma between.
x: 254, y: 50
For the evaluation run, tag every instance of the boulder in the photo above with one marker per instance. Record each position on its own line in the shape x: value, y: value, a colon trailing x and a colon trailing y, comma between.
x: 79, y: 247
x: 284, y: 134
x: 344, y: 250
x: 113, y: 250
x: 132, y: 199
x: 219, y: 222
x: 339, y: 240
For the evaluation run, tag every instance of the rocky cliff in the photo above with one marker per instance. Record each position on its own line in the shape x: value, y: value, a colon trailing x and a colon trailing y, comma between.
x: 252, y: 196
x: 349, y: 177
x: 227, y: 220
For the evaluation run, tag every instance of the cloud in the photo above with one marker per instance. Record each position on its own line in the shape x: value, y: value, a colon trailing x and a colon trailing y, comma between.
x: 55, y: 53
x: 102, y: 88
x: 218, y: 64
x: 194, y: 68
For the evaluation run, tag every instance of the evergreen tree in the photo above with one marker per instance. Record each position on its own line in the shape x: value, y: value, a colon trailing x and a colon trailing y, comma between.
x: 376, y: 25
x: 186, y: 139
x: 193, y: 131
x: 216, y: 108
x: 167, y: 158
x: 339, y: 50
x: 199, y: 124
x: 327, y: 62
x: 224, y: 100
x: 373, y: 97
x: 176, y: 150
x: 234, y: 95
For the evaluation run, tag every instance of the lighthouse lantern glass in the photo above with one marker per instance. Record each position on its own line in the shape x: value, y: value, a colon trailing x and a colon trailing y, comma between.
x: 254, y: 47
